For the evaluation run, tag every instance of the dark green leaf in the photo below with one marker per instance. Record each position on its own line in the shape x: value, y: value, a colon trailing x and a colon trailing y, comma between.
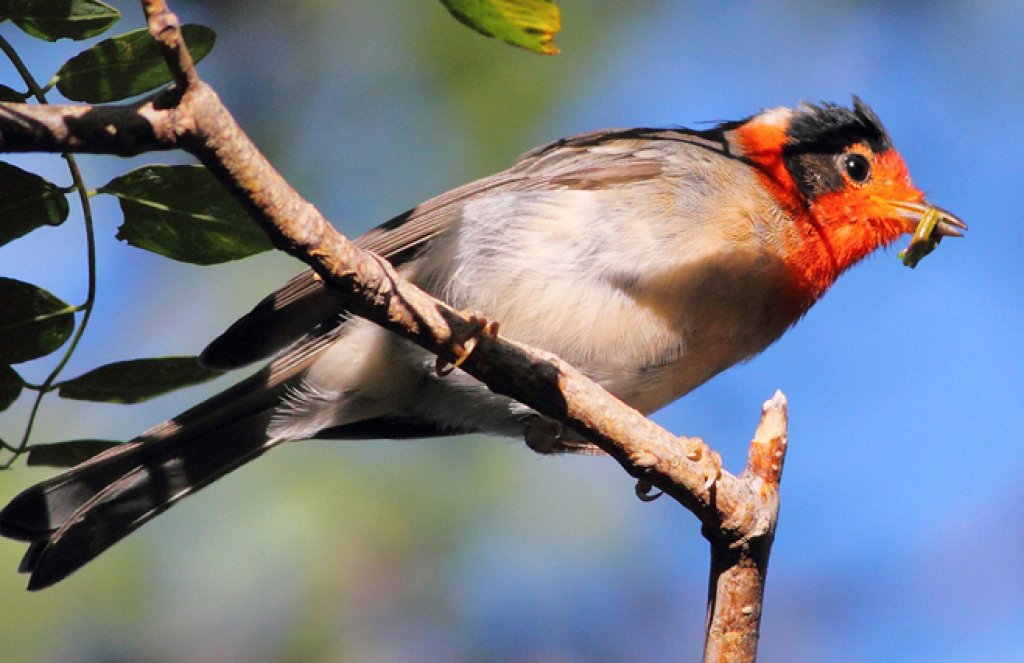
x: 33, y: 323
x: 67, y: 454
x: 125, y: 66
x: 59, y: 19
x: 10, y: 386
x: 27, y: 201
x: 183, y: 213
x: 136, y: 380
x: 10, y: 94
x: 529, y: 24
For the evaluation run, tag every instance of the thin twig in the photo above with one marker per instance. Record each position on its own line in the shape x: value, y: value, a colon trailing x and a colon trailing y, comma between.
x: 166, y: 32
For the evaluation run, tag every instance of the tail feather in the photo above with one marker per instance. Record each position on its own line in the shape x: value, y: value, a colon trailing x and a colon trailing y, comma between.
x: 74, y: 517
x: 28, y: 561
x: 44, y: 508
x: 40, y: 510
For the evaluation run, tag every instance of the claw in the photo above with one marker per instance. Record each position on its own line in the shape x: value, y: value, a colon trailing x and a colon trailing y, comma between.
x: 712, y: 478
x: 464, y: 347
x: 548, y: 437
x: 645, y: 491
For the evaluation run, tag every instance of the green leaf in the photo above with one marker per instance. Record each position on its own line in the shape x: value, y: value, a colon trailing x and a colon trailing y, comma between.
x: 10, y: 386
x: 529, y: 24
x: 60, y: 19
x: 33, y: 323
x: 125, y: 66
x: 67, y: 454
x: 136, y: 380
x: 183, y: 213
x: 10, y: 94
x: 27, y: 201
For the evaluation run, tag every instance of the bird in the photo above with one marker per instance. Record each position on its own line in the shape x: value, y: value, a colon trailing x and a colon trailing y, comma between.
x: 651, y: 259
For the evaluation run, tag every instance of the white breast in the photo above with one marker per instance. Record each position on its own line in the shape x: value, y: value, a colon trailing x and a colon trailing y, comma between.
x: 621, y: 283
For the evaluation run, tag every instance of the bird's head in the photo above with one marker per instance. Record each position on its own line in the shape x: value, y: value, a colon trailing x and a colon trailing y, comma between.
x: 837, y: 174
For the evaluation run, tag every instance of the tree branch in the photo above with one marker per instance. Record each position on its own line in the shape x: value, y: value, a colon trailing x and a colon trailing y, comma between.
x: 119, y: 130
x: 738, y: 512
x: 739, y: 568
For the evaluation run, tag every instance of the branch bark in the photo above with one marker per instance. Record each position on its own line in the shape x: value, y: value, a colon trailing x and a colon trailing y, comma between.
x: 739, y: 568
x: 738, y: 513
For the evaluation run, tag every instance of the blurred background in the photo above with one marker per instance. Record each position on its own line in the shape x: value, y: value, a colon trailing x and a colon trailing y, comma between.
x: 902, y: 501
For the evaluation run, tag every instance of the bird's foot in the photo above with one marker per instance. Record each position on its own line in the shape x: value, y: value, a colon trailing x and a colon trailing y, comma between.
x: 465, y: 342
x: 697, y: 453
x: 546, y: 436
x: 645, y: 491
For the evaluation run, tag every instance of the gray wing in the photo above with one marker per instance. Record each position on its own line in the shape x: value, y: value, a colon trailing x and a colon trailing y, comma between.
x: 303, y: 310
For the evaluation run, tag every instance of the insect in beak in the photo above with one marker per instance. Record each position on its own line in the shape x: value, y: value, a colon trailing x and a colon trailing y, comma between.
x: 933, y: 223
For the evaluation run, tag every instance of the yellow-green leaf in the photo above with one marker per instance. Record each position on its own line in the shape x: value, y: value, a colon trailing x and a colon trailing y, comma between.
x: 529, y: 24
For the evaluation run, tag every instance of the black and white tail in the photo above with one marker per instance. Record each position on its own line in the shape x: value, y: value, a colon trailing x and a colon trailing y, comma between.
x: 70, y: 519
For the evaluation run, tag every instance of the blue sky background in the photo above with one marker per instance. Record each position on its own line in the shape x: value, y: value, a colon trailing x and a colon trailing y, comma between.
x: 902, y: 503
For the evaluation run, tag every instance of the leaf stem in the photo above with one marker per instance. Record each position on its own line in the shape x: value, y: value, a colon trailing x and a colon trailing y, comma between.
x: 23, y: 71
x: 90, y: 243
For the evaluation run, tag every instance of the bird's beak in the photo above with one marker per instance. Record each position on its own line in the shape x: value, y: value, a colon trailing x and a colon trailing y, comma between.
x: 929, y: 225
x: 946, y: 223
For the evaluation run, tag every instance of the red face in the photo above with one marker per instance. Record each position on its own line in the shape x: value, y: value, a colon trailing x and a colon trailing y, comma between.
x: 864, y: 200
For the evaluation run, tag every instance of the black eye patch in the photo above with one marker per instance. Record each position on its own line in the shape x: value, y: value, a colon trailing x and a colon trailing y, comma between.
x: 815, y: 174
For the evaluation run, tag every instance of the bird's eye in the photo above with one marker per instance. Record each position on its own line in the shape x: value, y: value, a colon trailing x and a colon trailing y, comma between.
x: 857, y: 167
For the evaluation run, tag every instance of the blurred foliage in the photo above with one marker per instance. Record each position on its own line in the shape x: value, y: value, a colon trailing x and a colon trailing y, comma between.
x: 529, y: 24
x: 495, y: 96
x: 498, y: 98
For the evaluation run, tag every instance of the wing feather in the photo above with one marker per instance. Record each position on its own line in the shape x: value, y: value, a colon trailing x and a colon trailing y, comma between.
x: 285, y: 318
